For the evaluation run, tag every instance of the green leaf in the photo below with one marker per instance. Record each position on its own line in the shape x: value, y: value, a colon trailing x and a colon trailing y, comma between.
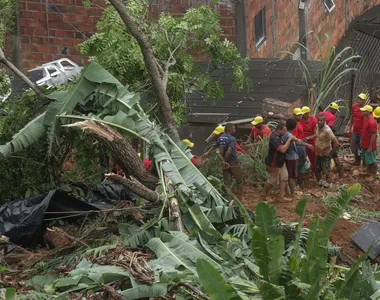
x: 10, y: 293
x: 271, y: 291
x: 213, y: 283
x: 27, y: 136
x: 268, y: 243
x: 174, y: 252
x: 295, y: 257
x: 145, y: 291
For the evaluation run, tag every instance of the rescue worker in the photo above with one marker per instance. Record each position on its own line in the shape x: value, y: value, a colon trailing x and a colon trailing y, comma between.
x: 325, y: 146
x: 226, y: 151
x: 309, y: 124
x: 369, y: 140
x: 330, y: 117
x: 330, y: 114
x: 357, y: 120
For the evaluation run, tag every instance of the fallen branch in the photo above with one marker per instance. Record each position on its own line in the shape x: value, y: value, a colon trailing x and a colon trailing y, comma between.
x: 189, y: 287
x: 110, y: 293
x: 135, y: 186
x: 13, y: 68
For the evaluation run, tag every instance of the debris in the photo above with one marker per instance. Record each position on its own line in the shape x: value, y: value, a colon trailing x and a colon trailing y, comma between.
x: 56, y: 238
x: 346, y: 216
x: 366, y: 236
x: 133, y: 260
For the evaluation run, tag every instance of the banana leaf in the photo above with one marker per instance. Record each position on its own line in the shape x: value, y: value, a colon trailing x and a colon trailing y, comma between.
x: 214, y: 284
x: 27, y: 136
x: 145, y: 291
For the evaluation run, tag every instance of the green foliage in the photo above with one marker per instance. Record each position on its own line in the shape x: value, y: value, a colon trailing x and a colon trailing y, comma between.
x: 174, y: 40
x: 337, y: 68
x: 18, y: 173
x: 214, y: 284
x: 7, y: 18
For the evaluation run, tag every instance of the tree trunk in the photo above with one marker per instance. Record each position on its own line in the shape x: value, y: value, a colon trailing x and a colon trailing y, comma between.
x: 156, y: 79
x: 135, y: 186
x: 121, y: 151
x: 13, y: 68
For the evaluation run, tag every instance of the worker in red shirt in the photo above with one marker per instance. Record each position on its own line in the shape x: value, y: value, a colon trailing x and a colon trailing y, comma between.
x: 369, y: 140
x: 330, y: 114
x: 191, y: 145
x: 356, y: 121
x: 376, y: 115
x: 298, y: 131
x: 258, y: 133
x: 309, y: 125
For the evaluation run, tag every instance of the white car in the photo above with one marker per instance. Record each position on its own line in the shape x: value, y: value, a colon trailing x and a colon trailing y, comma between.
x: 57, y: 72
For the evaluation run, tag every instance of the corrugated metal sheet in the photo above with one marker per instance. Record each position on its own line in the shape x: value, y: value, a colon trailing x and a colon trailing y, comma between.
x: 279, y: 79
x: 366, y: 43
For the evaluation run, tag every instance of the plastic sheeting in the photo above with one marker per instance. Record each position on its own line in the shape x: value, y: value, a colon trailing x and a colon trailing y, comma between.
x: 23, y: 220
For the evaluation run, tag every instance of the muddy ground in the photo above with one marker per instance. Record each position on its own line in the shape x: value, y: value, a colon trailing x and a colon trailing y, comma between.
x: 318, y: 197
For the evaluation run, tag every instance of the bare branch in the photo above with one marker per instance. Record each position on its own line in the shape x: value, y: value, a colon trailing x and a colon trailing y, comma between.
x: 13, y: 68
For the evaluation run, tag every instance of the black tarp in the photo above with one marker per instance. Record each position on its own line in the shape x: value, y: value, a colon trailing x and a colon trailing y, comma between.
x: 22, y: 220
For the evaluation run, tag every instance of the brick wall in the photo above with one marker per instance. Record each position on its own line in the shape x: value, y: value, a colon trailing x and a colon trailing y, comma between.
x: 334, y: 23
x: 51, y: 29
x: 284, y: 24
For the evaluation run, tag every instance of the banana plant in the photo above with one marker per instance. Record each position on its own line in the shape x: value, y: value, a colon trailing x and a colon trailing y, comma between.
x: 101, y: 97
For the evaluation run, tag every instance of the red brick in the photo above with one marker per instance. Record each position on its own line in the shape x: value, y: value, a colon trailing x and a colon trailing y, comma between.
x: 25, y: 39
x: 40, y: 16
x: 48, y: 58
x: 26, y: 14
x: 43, y: 49
x: 34, y: 6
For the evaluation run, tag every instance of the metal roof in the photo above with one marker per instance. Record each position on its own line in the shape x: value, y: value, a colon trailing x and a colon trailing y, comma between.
x: 363, y: 36
x: 269, y: 78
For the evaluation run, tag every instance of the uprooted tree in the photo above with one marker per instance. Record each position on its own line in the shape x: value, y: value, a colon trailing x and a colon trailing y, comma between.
x: 160, y: 63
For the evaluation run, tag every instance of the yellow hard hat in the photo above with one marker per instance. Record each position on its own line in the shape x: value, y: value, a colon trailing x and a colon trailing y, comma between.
x: 334, y: 105
x: 257, y: 120
x: 367, y: 108
x: 297, y: 111
x: 305, y: 109
x: 189, y: 144
x: 139, y: 154
x: 376, y: 112
x: 362, y: 96
x: 219, y: 129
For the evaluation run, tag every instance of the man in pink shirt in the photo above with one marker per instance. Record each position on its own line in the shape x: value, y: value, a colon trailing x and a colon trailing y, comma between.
x: 357, y: 119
